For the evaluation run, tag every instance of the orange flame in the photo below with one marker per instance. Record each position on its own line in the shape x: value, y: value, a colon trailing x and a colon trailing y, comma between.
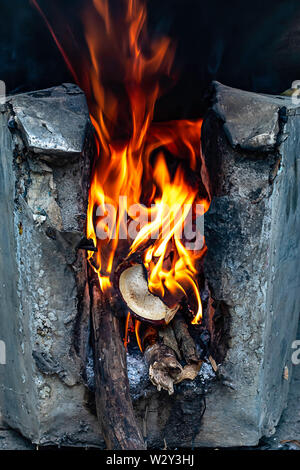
x: 137, y: 334
x: 130, y: 168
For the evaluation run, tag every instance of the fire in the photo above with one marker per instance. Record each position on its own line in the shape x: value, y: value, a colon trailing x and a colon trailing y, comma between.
x: 129, y: 328
x: 131, y: 163
x: 137, y: 333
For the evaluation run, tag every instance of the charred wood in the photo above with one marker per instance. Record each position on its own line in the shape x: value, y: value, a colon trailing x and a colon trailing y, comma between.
x: 113, y: 402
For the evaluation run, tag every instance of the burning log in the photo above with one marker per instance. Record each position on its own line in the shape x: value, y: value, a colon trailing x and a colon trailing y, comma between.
x: 114, y: 407
x: 141, y: 302
x: 162, y: 354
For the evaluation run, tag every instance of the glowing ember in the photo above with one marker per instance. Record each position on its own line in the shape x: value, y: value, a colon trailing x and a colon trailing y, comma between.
x: 136, y: 202
x: 127, y: 329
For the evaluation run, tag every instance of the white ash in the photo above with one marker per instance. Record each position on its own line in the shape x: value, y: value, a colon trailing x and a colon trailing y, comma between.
x: 89, y: 370
x: 137, y: 374
x: 206, y: 372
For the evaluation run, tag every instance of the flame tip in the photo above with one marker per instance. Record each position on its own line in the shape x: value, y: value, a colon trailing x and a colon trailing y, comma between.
x: 123, y: 166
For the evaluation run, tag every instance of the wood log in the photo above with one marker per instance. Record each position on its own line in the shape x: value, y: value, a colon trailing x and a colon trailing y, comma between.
x: 168, y: 337
x: 133, y: 286
x: 162, y: 357
x: 184, y: 339
x: 113, y: 402
x: 164, y: 369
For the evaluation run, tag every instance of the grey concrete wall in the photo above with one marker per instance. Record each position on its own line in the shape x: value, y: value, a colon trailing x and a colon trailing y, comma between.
x: 283, y: 288
x: 43, y: 208
x: 16, y: 376
x: 252, y: 231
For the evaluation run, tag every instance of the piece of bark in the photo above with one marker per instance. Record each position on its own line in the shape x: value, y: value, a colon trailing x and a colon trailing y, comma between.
x: 213, y: 363
x: 113, y: 403
x: 163, y: 366
x: 189, y: 372
x: 292, y: 441
x: 184, y: 339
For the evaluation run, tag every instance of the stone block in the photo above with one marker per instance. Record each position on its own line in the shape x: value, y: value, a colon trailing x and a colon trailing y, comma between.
x: 44, y: 175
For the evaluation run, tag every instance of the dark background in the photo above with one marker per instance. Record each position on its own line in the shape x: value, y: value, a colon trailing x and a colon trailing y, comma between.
x: 251, y: 45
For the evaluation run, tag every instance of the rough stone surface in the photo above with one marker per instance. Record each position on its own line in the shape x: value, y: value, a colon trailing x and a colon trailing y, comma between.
x: 40, y: 114
x: 11, y: 440
x: 250, y: 120
x: 43, y: 185
x: 252, y: 232
x: 287, y: 435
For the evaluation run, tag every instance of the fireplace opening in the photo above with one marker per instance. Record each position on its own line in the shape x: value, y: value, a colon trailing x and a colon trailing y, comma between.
x: 148, y: 193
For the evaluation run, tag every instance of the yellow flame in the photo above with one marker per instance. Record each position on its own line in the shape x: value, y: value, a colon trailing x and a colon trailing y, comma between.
x: 126, y: 139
